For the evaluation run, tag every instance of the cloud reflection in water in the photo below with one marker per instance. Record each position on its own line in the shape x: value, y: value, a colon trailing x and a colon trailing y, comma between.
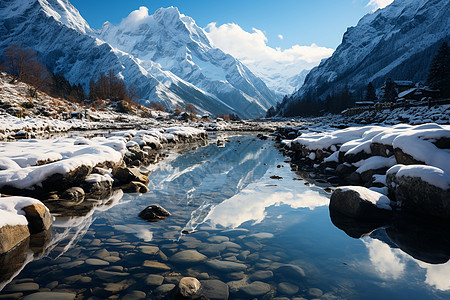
x: 250, y: 204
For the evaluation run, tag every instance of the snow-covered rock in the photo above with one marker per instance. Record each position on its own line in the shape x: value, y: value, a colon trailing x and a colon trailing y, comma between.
x: 20, y: 216
x: 360, y: 202
x: 420, y: 189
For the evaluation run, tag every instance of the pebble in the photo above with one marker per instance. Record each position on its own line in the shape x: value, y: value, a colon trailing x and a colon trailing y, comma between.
x: 165, y: 288
x: 108, y: 275
x: 115, y: 268
x: 11, y: 296
x: 261, y: 275
x: 154, y: 279
x: 156, y: 265
x: 96, y: 262
x: 262, y: 235
x: 96, y: 242
x: 113, y: 241
x: 213, y: 249
x: 102, y: 254
x: 71, y: 265
x: 215, y: 289
x: 287, y: 288
x: 315, y: 292
x: 203, y: 275
x: 188, y: 257
x: 236, y: 275
x: 112, y: 259
x: 243, y: 255
x: 218, y: 239
x: 52, y: 285
x: 150, y: 250
x: 134, y: 295
x: 119, y: 286
x: 22, y: 287
x: 226, y: 266
x: 85, y: 279
x: 50, y: 296
x: 188, y: 286
x: 256, y: 288
x: 231, y: 245
x: 290, y: 272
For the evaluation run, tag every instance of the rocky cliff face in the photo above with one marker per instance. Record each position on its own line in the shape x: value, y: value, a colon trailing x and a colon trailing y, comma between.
x: 166, y: 56
x: 398, y: 41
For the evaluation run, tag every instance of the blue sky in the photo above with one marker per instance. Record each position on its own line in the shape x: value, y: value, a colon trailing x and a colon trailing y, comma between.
x: 301, y: 22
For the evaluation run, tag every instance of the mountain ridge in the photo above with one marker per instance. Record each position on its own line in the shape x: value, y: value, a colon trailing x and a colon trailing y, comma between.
x: 67, y: 45
x: 379, y: 46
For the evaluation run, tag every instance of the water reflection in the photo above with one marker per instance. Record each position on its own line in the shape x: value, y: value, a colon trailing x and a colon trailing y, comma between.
x: 270, y: 228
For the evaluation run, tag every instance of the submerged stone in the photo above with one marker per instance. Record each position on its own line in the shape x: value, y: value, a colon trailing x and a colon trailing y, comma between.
x: 188, y: 256
x: 256, y: 288
x: 215, y: 289
x: 226, y: 266
x: 154, y: 213
x: 50, y: 296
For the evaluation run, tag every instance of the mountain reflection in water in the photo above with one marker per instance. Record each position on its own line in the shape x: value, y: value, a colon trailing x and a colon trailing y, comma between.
x: 241, y: 204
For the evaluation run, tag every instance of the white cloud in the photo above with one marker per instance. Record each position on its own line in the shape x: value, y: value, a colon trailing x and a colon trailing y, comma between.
x: 280, y: 36
x: 376, y: 4
x: 269, y: 63
x: 136, y: 17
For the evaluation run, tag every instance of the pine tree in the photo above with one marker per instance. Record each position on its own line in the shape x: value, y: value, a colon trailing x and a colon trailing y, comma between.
x: 390, y: 92
x: 370, y: 93
x: 439, y: 73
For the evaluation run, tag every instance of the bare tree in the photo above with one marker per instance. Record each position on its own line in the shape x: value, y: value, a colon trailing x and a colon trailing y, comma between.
x: 157, y: 106
x: 24, y: 65
x: 37, y: 77
x: 17, y: 61
x: 190, y: 108
x: 178, y: 109
x: 133, y: 93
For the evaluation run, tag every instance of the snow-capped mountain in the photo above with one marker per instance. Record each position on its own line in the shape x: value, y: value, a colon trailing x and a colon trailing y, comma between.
x: 166, y: 56
x: 282, y: 78
x: 177, y: 44
x: 398, y: 41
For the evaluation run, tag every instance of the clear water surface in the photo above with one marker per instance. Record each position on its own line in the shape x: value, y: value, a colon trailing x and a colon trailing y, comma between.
x: 234, y: 212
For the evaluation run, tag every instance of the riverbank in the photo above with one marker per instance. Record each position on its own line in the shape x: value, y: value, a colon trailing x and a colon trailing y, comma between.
x: 387, y: 167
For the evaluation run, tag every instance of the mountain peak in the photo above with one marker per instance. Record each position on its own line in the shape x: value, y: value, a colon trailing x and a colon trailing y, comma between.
x: 63, y: 11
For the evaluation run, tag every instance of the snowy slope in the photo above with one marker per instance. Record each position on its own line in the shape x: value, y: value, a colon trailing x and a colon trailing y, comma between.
x: 176, y: 43
x: 66, y: 44
x: 397, y: 41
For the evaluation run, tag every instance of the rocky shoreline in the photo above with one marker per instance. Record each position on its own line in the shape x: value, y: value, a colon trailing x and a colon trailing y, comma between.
x: 389, y: 169
x: 76, y: 173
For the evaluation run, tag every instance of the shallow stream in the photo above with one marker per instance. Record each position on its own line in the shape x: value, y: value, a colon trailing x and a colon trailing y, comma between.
x: 264, y: 237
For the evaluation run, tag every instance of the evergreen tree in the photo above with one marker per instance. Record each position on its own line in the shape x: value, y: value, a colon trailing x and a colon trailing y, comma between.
x: 439, y: 73
x: 390, y: 93
x: 370, y: 93
x: 270, y: 112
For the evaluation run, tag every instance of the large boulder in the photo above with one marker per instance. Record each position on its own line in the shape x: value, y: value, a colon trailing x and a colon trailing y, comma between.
x: 420, y: 189
x: 11, y: 236
x: 361, y: 203
x: 405, y: 159
x: 65, y: 181
x: 134, y: 187
x: 12, y: 261
x: 38, y: 217
x: 97, y: 184
x: 379, y: 149
x: 126, y: 175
